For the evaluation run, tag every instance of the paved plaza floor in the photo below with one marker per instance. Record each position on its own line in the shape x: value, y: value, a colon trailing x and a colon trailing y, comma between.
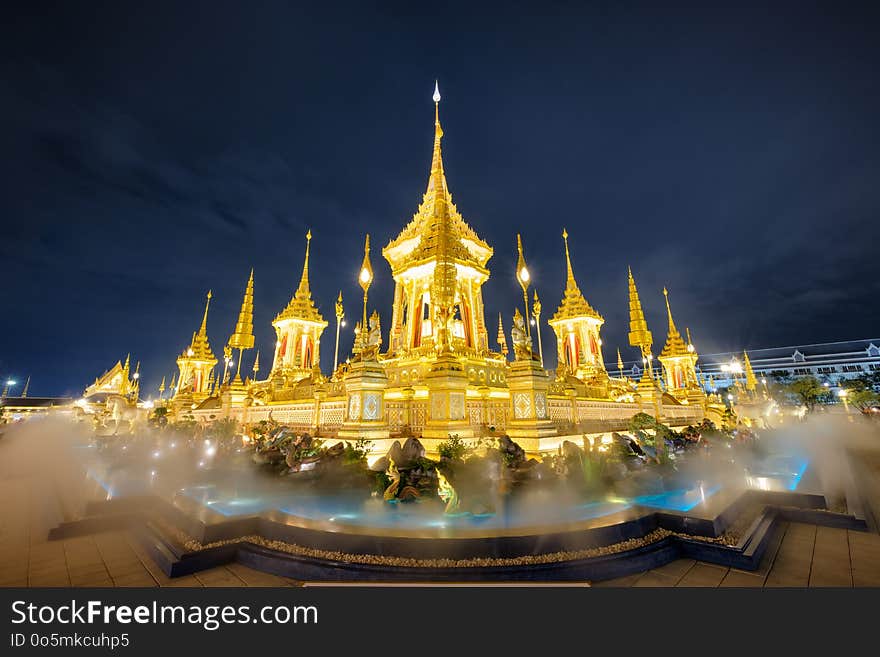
x: 31, y: 491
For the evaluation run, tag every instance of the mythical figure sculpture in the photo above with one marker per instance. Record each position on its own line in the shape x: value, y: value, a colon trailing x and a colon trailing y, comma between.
x: 522, y: 342
x: 373, y: 339
x: 447, y: 494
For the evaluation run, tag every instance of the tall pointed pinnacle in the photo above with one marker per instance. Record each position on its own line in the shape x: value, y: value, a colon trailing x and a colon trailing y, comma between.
x: 672, y: 328
x: 619, y: 361
x: 569, y: 282
x: 639, y: 335
x: 243, y: 335
x: 27, y: 384
x: 127, y: 362
x: 203, y: 330
x: 303, y: 288
x: 256, y: 367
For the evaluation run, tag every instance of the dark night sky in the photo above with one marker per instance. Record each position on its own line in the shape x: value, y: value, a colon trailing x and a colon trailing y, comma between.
x: 151, y: 151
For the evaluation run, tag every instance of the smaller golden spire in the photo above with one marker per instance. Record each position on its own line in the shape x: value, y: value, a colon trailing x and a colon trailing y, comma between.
x: 161, y: 387
x: 24, y: 392
x: 501, y: 339
x: 639, y: 335
x: 619, y: 362
x: 751, y: 380
x: 256, y: 364
x: 243, y: 335
x: 173, y: 387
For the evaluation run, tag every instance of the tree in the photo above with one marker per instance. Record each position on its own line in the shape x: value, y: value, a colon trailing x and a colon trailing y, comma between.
x: 863, y: 399
x: 809, y: 391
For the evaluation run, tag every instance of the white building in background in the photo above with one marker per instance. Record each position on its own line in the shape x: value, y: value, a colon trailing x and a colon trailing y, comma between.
x: 827, y: 361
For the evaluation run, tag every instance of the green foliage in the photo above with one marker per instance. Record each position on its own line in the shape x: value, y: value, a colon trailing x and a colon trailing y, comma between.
x: 863, y: 399
x: 453, y: 448
x: 356, y: 452
x: 809, y: 391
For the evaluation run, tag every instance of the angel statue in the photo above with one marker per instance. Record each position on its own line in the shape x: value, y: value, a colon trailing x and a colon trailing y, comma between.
x: 522, y: 341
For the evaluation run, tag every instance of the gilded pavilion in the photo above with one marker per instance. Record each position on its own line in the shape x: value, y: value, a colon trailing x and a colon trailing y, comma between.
x: 433, y: 372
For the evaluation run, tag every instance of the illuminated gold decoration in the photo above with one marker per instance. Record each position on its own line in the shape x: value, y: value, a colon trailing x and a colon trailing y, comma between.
x: 434, y: 374
x: 447, y: 493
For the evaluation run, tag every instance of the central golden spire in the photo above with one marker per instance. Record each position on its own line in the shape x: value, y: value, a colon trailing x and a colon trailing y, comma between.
x: 573, y: 303
x: 301, y: 306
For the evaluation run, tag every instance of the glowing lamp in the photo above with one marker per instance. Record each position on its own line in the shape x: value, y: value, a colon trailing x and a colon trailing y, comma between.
x: 524, y: 275
x: 365, y: 276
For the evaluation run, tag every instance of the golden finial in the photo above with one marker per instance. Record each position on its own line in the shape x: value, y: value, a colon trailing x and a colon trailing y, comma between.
x: 340, y: 311
x: 436, y: 98
x: 162, y: 387
x: 127, y: 361
x: 256, y: 367
x: 619, y: 361
x: 24, y: 392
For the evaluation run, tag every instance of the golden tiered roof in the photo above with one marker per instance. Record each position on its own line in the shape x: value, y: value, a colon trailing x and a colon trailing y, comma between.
x: 437, y: 230
x: 639, y: 335
x: 301, y: 305
x: 675, y: 345
x: 243, y: 336
x: 199, y: 348
x: 573, y: 304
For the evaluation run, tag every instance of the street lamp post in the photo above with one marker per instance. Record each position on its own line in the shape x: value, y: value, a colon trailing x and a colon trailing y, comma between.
x: 365, y: 278
x: 523, y: 276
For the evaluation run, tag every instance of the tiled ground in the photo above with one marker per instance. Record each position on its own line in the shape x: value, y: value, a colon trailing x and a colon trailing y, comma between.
x: 802, y: 555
